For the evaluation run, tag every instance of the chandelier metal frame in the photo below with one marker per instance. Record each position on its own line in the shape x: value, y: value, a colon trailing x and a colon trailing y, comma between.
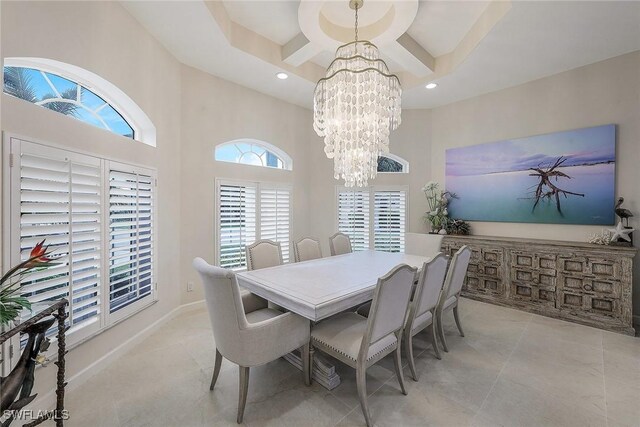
x: 355, y: 157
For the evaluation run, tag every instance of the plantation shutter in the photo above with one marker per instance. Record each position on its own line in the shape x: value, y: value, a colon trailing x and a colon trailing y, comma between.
x: 275, y: 216
x: 60, y: 194
x: 389, y: 215
x: 353, y: 217
x: 237, y: 223
x: 131, y: 226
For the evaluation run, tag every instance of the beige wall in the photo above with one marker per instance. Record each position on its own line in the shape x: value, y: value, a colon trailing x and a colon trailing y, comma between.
x: 410, y: 141
x: 216, y: 111
x: 103, y: 38
x: 597, y: 94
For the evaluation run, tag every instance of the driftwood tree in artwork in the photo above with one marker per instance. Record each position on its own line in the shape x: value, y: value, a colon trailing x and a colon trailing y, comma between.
x: 545, y: 189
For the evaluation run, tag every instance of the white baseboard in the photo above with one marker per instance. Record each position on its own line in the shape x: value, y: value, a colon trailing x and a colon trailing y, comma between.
x: 48, y: 400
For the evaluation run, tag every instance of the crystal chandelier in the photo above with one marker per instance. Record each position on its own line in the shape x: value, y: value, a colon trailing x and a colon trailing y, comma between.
x: 355, y: 108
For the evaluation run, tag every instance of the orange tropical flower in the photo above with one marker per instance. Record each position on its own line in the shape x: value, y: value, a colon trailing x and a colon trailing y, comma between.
x: 38, y: 256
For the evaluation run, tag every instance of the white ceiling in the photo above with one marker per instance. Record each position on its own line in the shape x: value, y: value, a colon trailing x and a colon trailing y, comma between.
x: 532, y: 40
x: 441, y: 25
x: 275, y: 20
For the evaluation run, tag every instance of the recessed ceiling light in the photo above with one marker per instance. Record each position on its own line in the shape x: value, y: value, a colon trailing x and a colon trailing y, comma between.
x: 282, y: 76
x: 431, y: 85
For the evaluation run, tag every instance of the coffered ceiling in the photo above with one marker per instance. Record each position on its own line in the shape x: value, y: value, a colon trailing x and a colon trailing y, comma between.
x: 467, y: 47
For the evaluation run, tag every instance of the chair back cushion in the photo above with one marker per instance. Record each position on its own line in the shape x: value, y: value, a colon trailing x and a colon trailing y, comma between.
x: 340, y: 244
x: 430, y: 285
x: 263, y: 254
x: 457, y: 271
x: 222, y: 295
x: 307, y: 249
x: 390, y: 303
x: 421, y: 244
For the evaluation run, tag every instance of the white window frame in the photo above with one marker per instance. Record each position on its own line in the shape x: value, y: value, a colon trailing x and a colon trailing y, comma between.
x: 11, y: 239
x: 287, y: 161
x: 258, y: 185
x: 372, y: 189
x: 403, y: 162
x: 143, y: 129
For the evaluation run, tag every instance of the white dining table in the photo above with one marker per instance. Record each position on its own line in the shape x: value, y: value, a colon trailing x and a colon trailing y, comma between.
x: 323, y: 287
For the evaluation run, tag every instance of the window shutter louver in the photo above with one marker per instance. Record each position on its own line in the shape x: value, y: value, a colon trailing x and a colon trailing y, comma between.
x: 275, y: 208
x: 130, y: 238
x: 389, y: 220
x: 353, y: 217
x: 237, y: 224
x: 60, y: 199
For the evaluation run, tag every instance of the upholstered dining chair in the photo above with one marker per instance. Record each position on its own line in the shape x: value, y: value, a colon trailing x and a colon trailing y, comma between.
x: 450, y: 296
x: 361, y: 342
x: 263, y: 253
x: 306, y: 249
x: 422, y: 244
x: 340, y: 244
x: 245, y: 331
x: 422, y: 311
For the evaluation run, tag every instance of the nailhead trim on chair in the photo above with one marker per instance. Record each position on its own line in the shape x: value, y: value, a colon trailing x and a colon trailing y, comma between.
x: 322, y: 343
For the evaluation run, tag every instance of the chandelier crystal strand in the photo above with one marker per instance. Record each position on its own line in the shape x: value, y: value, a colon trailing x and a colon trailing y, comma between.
x: 356, y: 106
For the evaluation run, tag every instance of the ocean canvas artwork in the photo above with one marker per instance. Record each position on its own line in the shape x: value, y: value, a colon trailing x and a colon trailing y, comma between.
x: 559, y: 178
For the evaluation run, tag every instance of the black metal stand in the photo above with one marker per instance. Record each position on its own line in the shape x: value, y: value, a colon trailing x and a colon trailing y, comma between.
x: 57, y: 310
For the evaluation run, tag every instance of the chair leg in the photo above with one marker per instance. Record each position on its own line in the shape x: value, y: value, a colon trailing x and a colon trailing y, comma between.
x: 216, y: 369
x: 305, y: 355
x: 244, y: 389
x: 361, y: 382
x: 398, y: 362
x: 408, y: 351
x: 434, y: 339
x: 457, y: 318
x: 441, y: 332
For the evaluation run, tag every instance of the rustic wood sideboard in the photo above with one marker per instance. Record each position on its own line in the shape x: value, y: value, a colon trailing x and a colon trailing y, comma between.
x: 579, y: 282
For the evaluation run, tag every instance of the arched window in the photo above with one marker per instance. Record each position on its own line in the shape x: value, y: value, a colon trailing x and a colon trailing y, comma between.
x: 253, y: 152
x: 390, y: 163
x: 78, y: 93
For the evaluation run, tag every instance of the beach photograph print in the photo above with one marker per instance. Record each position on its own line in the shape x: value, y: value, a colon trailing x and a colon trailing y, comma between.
x: 558, y: 178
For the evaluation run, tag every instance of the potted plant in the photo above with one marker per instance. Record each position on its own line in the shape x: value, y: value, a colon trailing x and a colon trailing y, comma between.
x: 11, y: 303
x: 437, y: 200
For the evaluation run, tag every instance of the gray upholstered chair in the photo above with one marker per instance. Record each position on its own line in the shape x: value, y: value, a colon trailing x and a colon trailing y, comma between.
x: 422, y: 244
x: 306, y: 249
x: 451, y: 292
x: 360, y: 342
x: 246, y: 332
x: 340, y: 244
x: 263, y: 254
x: 422, y: 311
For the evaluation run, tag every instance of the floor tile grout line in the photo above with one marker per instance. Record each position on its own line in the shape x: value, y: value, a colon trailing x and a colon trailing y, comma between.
x: 604, y: 385
x: 506, y: 362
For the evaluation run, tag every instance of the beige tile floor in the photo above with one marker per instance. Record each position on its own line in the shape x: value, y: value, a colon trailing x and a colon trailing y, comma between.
x: 511, y: 369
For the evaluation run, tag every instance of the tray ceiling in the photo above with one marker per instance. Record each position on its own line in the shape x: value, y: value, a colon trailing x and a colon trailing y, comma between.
x: 467, y: 47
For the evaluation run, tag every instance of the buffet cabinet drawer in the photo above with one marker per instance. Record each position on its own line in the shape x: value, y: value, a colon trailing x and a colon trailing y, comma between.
x: 588, y: 305
x: 532, y: 294
x: 590, y: 266
x: 533, y: 278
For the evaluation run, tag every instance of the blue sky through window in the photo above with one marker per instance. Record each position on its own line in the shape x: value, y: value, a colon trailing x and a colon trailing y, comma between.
x: 248, y: 154
x: 60, y: 94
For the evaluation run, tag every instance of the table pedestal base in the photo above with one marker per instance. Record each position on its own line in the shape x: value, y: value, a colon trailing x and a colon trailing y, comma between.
x: 322, y: 371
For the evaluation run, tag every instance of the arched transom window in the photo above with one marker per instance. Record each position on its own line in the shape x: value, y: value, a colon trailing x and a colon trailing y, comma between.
x: 253, y: 152
x: 390, y: 163
x: 78, y: 93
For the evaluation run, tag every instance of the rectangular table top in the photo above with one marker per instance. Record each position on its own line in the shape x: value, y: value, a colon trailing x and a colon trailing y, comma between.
x: 323, y: 287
